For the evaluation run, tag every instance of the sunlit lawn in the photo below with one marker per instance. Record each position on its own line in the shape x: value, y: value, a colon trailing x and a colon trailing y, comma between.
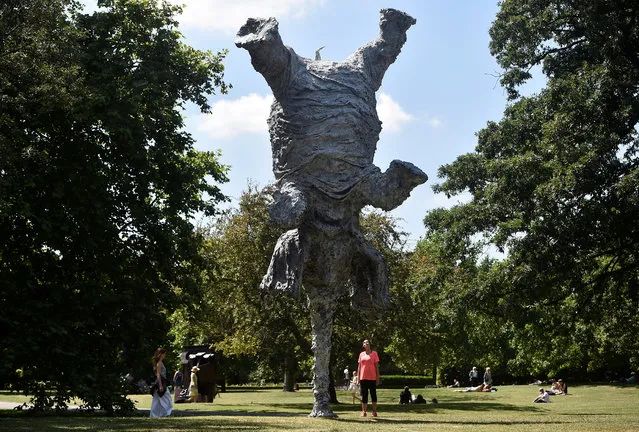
x: 588, y: 408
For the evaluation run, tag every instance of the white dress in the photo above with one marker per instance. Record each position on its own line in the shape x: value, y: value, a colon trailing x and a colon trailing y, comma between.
x: 162, y: 406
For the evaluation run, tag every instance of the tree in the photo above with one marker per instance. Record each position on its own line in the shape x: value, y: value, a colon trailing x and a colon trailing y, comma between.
x: 352, y: 325
x: 239, y: 322
x: 233, y: 315
x: 554, y: 183
x: 98, y: 184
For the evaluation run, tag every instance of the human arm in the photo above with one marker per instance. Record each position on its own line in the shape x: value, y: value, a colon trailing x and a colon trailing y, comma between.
x: 158, y: 375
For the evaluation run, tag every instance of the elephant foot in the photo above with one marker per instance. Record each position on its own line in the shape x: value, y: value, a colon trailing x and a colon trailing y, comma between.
x: 322, y: 411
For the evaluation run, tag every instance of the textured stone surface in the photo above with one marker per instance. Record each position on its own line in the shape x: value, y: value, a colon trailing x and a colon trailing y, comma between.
x: 324, y: 130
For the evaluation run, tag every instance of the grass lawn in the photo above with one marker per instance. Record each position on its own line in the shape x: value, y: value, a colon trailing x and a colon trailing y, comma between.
x: 587, y: 408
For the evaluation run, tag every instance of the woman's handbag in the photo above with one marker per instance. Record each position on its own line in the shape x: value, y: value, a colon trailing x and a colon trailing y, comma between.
x: 154, y: 387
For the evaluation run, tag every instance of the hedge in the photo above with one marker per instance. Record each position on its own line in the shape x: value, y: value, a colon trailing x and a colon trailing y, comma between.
x: 412, y: 381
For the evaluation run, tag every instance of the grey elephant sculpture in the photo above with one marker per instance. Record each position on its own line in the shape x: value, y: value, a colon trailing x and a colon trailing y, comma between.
x: 324, y: 130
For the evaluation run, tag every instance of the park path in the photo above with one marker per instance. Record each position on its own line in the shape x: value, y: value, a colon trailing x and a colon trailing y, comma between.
x: 8, y: 405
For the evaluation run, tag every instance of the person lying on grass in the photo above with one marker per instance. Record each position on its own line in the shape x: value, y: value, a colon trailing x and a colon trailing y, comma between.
x: 479, y: 388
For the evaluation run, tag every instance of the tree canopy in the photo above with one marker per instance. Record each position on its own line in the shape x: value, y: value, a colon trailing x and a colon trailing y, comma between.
x: 98, y: 185
x: 554, y: 184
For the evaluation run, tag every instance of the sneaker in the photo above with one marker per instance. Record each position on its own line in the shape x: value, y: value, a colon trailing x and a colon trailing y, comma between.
x: 363, y: 414
x: 374, y: 414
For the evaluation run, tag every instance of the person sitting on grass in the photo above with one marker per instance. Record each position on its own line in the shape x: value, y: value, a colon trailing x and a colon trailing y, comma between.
x: 563, y: 386
x: 419, y: 399
x: 454, y: 384
x: 555, y: 388
x: 543, y: 397
x: 405, y: 396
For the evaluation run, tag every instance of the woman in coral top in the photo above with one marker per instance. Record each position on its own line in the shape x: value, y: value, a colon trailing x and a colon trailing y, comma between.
x: 368, y: 376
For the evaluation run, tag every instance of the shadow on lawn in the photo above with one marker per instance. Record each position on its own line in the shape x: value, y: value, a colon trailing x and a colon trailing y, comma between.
x: 239, y: 413
x: 456, y: 422
x: 237, y: 419
x: 448, y: 405
x: 351, y: 416
x: 23, y: 424
x: 302, y: 409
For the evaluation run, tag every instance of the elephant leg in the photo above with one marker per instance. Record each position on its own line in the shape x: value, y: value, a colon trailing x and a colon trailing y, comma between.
x: 389, y: 189
x: 322, y: 310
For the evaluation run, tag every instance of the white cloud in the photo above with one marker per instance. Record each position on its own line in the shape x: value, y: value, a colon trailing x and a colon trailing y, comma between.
x: 229, y: 16
x: 391, y: 113
x: 433, y: 121
x: 229, y: 118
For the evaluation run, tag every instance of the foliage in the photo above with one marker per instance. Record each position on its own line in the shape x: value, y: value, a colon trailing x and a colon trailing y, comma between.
x: 554, y: 185
x: 232, y: 314
x: 412, y: 381
x: 275, y: 330
x: 98, y: 182
x: 447, y: 323
x: 351, y: 326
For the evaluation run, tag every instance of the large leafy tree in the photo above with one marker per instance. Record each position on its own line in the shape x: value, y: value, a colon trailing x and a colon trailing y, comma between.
x: 440, y: 318
x: 351, y: 326
x: 98, y: 185
x: 275, y: 330
x: 232, y: 315
x: 554, y: 184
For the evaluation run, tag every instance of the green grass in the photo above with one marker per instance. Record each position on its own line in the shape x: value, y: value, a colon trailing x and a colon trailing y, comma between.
x: 588, y: 408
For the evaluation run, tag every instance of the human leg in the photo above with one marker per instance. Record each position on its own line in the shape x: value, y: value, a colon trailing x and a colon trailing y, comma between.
x: 373, y: 390
x: 365, y: 386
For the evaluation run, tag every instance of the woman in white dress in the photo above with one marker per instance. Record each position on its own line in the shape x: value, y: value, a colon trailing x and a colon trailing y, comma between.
x: 162, y: 404
x: 193, y: 385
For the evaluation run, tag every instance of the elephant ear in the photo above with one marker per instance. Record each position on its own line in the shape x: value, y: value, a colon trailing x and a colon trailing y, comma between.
x: 285, y: 270
x: 368, y: 283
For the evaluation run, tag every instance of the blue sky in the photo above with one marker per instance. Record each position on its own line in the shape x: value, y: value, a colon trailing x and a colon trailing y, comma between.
x: 441, y: 90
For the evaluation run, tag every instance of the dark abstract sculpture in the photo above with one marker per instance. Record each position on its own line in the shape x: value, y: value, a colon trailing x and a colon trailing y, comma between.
x: 324, y: 131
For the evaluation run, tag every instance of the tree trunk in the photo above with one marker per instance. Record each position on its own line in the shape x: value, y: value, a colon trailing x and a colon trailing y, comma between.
x: 331, y: 392
x: 437, y: 374
x: 290, y: 366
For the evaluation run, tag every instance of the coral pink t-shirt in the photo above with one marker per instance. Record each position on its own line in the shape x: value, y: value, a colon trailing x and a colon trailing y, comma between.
x: 367, y: 370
